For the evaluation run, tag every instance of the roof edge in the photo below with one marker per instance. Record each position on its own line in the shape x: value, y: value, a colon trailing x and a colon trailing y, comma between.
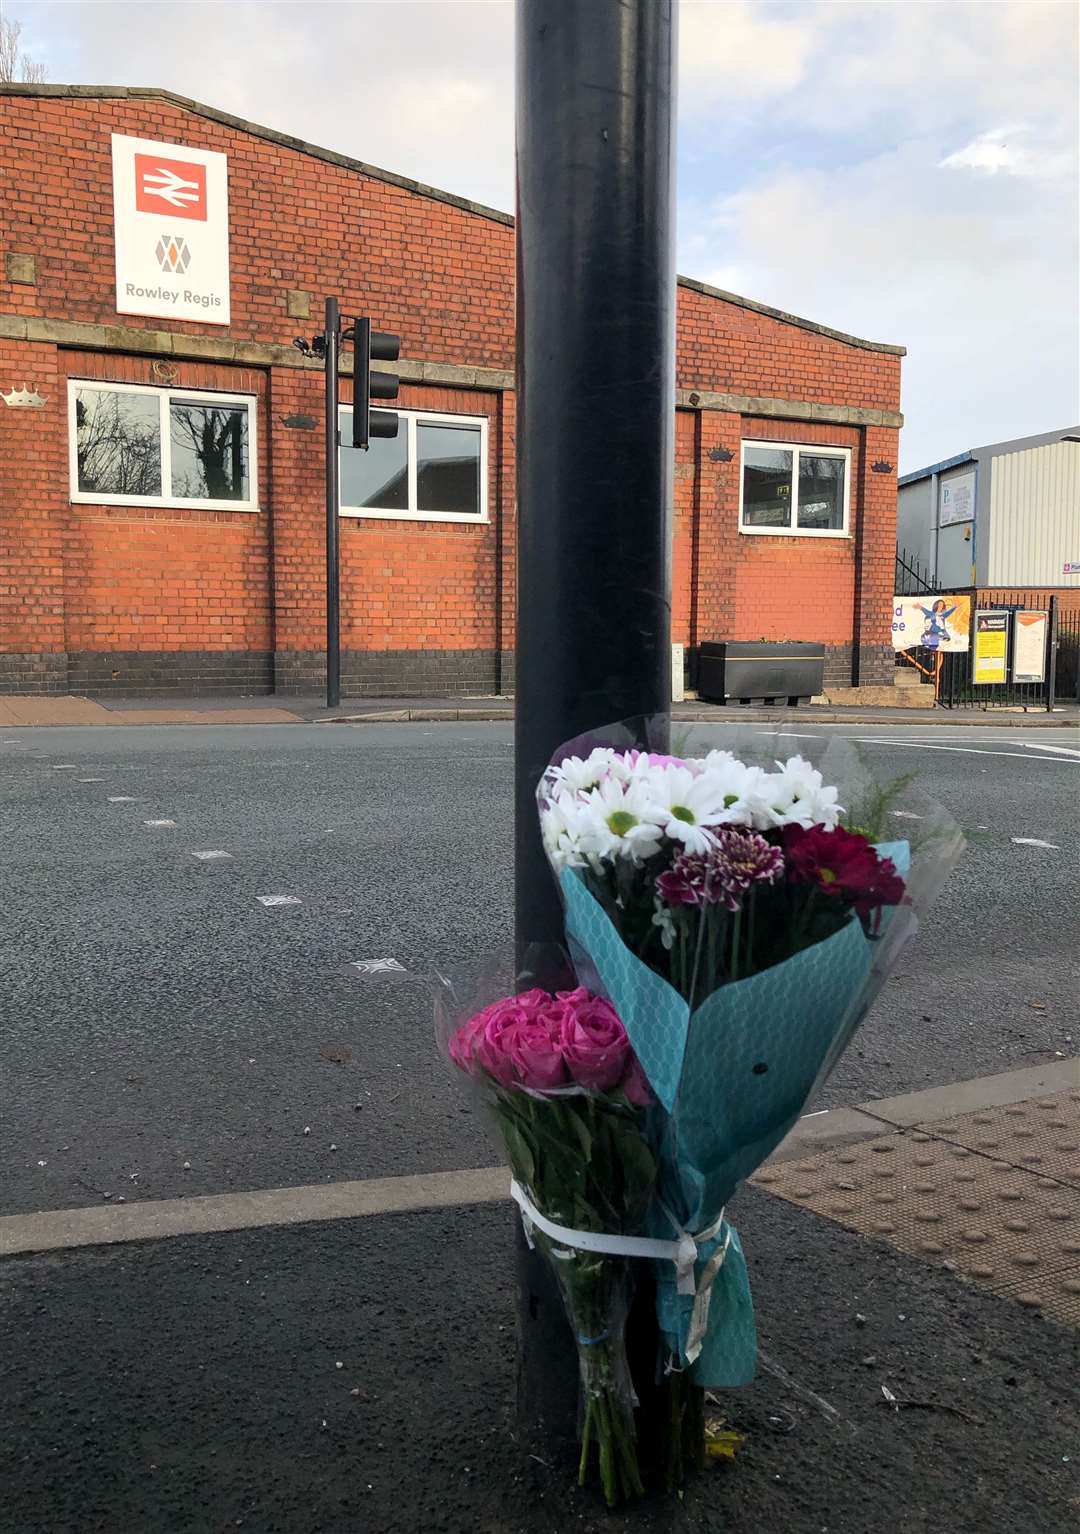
x: 936, y: 468
x: 790, y: 319
x: 420, y: 188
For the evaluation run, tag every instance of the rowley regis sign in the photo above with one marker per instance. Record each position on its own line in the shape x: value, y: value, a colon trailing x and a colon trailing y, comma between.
x: 171, y: 224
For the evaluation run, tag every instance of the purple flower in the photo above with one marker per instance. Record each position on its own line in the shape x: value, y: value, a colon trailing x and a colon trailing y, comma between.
x: 735, y: 860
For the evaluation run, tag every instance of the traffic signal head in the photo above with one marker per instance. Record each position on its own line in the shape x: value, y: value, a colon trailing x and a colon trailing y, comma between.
x: 373, y: 345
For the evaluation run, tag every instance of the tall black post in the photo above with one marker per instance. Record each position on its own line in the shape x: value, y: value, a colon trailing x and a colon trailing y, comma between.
x: 594, y: 442
x: 333, y: 500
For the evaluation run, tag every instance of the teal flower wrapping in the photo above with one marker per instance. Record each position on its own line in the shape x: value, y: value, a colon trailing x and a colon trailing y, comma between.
x: 731, y: 1077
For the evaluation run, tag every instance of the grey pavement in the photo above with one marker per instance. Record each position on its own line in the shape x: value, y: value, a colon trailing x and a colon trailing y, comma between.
x: 156, y: 1014
x: 360, y: 1375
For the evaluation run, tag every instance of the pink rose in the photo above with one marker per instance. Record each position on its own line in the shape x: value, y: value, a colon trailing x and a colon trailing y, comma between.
x: 535, y: 1049
x: 636, y: 1086
x: 463, y: 1041
x: 491, y: 1034
x: 594, y: 1042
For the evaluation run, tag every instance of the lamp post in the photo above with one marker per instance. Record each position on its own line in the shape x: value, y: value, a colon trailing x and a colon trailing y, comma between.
x: 594, y: 440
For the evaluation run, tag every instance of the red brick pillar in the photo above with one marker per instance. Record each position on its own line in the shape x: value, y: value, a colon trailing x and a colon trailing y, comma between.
x: 33, y: 522
x: 716, y: 529
x: 504, y: 513
x: 873, y: 664
x: 298, y: 542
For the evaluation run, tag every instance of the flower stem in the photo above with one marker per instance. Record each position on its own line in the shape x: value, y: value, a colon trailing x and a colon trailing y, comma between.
x: 736, y: 926
x: 583, y: 1463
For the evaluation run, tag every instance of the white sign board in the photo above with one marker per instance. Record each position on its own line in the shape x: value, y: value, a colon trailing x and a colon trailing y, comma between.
x: 1030, y: 630
x: 171, y: 226
x: 956, y: 499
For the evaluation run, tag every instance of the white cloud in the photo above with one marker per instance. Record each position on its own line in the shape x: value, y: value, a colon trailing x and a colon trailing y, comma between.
x: 732, y: 49
x: 1003, y: 149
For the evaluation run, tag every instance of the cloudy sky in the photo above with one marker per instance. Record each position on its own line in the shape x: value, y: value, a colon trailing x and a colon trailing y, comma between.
x: 904, y: 170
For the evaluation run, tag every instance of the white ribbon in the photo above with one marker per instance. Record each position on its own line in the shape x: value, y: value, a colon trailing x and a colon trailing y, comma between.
x: 683, y: 1253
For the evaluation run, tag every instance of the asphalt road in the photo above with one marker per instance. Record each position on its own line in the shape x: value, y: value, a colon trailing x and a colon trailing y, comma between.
x: 163, y: 1032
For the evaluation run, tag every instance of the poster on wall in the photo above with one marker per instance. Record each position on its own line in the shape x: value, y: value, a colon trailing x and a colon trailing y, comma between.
x: 1030, y: 631
x: 956, y: 499
x: 171, y: 227
x: 991, y: 647
x: 934, y: 622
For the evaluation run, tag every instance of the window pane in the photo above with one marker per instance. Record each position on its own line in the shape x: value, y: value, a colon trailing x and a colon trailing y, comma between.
x: 118, y: 442
x: 377, y: 478
x: 766, y: 486
x: 209, y: 446
x: 448, y: 469
x: 821, y: 491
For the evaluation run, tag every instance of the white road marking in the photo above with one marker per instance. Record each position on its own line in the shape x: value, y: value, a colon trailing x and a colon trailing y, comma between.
x: 378, y: 966
x: 906, y: 815
x: 278, y: 899
x: 214, y: 853
x: 121, y: 799
x: 90, y: 780
x: 788, y: 735
x: 922, y: 745
x: 1034, y: 841
x: 65, y: 766
x: 159, y: 822
x: 1037, y: 745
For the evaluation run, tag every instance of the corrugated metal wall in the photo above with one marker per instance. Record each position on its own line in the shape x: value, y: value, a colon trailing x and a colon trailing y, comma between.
x: 1034, y: 530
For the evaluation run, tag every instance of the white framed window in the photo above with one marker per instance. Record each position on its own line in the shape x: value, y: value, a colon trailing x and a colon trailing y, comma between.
x: 434, y: 470
x: 795, y: 489
x: 135, y: 445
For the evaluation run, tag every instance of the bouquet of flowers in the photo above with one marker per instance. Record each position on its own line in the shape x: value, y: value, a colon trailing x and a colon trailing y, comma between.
x: 567, y: 1094
x: 741, y: 920
x: 730, y: 917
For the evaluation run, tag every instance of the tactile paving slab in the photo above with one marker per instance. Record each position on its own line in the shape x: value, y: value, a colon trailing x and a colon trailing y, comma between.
x: 999, y: 1223
x: 1042, y: 1134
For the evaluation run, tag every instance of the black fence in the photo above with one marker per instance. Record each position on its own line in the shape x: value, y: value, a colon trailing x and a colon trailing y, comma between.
x: 955, y: 687
x: 1067, y: 688
x: 912, y: 579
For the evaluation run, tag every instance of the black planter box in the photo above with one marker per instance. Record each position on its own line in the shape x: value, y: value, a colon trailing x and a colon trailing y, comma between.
x: 753, y: 671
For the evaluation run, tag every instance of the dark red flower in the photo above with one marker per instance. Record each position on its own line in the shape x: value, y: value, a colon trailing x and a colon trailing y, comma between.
x: 842, y: 865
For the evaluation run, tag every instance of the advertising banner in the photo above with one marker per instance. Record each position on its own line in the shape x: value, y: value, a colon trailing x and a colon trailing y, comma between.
x: 171, y: 227
x: 1030, y: 632
x: 936, y: 622
x: 956, y: 499
x: 991, y: 646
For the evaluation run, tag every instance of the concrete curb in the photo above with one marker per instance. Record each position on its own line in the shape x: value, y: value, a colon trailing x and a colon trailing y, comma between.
x: 992, y: 719
x: 154, y: 1220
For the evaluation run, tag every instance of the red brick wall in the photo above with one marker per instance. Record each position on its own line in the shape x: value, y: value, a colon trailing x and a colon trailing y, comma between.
x: 156, y: 578
x: 98, y: 580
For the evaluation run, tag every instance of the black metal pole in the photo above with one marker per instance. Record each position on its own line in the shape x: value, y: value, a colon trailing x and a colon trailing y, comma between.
x: 1051, y: 655
x: 333, y: 499
x: 595, y: 423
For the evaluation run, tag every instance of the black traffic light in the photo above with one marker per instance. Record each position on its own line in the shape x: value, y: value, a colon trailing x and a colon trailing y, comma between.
x: 369, y: 345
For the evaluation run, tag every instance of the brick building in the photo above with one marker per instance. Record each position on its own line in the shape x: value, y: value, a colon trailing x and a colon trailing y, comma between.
x: 161, y: 514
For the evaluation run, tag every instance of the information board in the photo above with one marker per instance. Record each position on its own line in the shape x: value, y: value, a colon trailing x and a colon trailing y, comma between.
x: 990, y: 660
x: 1030, y: 633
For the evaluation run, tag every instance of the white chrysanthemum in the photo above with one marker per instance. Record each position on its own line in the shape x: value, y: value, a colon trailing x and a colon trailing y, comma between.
x: 616, y: 821
x: 581, y: 774
x: 747, y: 796
x: 684, y: 804
x: 799, y: 796
x: 561, y: 829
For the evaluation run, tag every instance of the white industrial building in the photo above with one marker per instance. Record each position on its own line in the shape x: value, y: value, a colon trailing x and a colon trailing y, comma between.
x: 1003, y: 515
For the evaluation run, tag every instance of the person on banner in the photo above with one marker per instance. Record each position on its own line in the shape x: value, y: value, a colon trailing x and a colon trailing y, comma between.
x: 937, y: 631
